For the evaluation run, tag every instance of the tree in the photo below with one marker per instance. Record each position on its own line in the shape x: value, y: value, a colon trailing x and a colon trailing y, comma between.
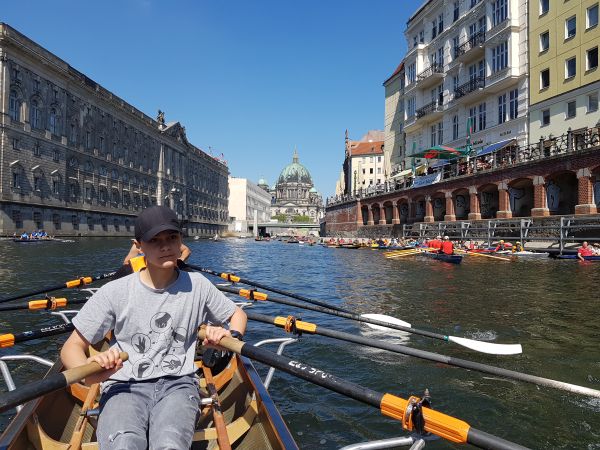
x: 301, y: 219
x: 280, y: 218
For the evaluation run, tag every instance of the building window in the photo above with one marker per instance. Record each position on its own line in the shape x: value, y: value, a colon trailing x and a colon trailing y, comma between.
x: 433, y: 135
x: 499, y: 12
x: 502, y: 108
x: 440, y: 23
x: 16, y: 180
x: 16, y: 217
x: 570, y: 27
x: 482, y: 117
x: 14, y: 106
x: 15, y: 144
x: 55, y: 155
x: 101, y: 144
x: 411, y: 107
x: 75, y: 222
x: 514, y: 104
x: 473, y: 118
x: 455, y: 127
x: 544, y: 6
x: 456, y: 11
x: 422, y: 36
x: 88, y: 139
x: 545, y: 79
x: 571, y: 109
x: 592, y: 16
x: 37, y: 183
x: 35, y: 115
x: 544, y: 41
x: 570, y: 67
x: 455, y: 82
x: 440, y: 132
x: 545, y: 117
x: 88, y: 193
x: 36, y: 149
x: 434, y: 29
x: 371, y: 170
x: 55, y: 187
x: 592, y: 101
x: 411, y: 73
x: 73, y: 134
x: 592, y: 59
x: 53, y: 122
x: 500, y: 57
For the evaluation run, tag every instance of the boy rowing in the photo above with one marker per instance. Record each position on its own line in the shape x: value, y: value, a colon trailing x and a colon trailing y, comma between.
x: 152, y: 399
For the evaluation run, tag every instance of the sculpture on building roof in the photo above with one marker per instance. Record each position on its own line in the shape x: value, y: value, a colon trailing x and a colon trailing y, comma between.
x: 160, y: 118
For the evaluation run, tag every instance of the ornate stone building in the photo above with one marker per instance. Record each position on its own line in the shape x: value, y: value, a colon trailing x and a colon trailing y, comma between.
x: 295, y: 195
x: 75, y: 159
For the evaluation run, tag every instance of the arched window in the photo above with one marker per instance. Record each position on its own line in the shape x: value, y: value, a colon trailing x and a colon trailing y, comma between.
x: 102, y: 171
x: 54, y: 122
x: 35, y: 114
x: 14, y: 106
x: 115, y: 174
x: 73, y: 162
x: 89, y: 167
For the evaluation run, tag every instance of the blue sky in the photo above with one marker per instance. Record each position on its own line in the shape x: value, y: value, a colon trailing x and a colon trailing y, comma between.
x: 250, y: 79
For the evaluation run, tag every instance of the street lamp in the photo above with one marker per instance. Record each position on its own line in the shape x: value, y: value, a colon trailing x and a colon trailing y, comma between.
x: 354, y: 184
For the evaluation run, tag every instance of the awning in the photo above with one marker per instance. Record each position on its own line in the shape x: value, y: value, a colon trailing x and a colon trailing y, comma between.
x: 441, y: 163
x: 401, y: 174
x: 494, y: 147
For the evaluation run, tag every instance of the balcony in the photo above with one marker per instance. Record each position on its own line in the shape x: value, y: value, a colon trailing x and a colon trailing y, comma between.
x: 474, y: 85
x: 471, y: 49
x: 411, y: 124
x: 432, y: 75
x: 430, y: 111
x: 501, y: 80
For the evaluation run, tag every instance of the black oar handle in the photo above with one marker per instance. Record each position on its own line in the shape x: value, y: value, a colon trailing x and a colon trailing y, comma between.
x: 436, y: 357
x: 436, y: 422
x: 82, y: 281
x: 50, y: 384
x: 351, y: 316
x: 269, y: 288
x: 9, y: 339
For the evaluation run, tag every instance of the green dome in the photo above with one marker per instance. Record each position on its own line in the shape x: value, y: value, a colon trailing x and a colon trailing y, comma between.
x: 295, y: 173
x: 313, y: 190
x: 262, y: 182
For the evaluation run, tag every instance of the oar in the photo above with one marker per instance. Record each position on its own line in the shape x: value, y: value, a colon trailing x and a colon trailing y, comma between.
x: 398, y: 252
x: 400, y: 255
x: 483, y: 254
x: 9, y: 339
x: 290, y: 324
x: 82, y: 281
x: 50, y: 384
x: 48, y: 304
x: 408, y: 412
x: 483, y: 347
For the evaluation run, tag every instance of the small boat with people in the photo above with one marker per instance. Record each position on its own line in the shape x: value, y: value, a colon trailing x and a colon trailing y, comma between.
x: 453, y: 259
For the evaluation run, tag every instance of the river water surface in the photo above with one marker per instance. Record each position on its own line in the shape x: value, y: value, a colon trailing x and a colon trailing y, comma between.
x: 549, y: 306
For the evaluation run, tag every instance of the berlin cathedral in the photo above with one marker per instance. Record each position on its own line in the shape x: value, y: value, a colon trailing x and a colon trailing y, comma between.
x: 294, y: 195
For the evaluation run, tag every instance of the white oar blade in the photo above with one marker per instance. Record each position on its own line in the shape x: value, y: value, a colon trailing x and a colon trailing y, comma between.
x: 487, y: 347
x: 384, y: 318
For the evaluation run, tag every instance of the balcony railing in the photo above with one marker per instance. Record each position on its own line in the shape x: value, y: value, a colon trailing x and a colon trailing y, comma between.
x: 470, y: 86
x: 474, y: 41
x: 432, y: 69
x: 429, y: 108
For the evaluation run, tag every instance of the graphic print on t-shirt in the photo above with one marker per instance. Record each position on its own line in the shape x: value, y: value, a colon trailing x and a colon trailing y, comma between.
x: 161, y: 349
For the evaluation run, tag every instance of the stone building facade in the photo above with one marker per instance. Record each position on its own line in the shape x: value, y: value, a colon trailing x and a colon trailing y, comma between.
x: 75, y: 159
x: 248, y: 203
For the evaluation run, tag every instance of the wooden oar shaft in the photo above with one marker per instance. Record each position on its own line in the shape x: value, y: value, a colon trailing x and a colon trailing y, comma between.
x: 390, y: 405
x: 237, y: 279
x: 9, y: 339
x: 49, y: 384
x: 82, y: 281
x: 346, y: 315
x: 430, y: 356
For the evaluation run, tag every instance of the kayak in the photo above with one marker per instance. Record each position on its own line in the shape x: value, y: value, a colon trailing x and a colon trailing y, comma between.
x: 454, y: 259
x: 58, y: 420
x: 587, y: 258
x: 29, y: 241
x: 528, y: 254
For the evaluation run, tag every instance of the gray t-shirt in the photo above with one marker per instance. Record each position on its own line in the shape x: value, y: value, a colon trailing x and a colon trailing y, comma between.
x: 156, y: 327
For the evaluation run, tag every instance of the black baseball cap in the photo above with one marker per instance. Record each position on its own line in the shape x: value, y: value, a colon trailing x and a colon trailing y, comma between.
x: 153, y: 220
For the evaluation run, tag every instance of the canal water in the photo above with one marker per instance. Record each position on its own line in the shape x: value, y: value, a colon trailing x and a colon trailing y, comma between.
x: 549, y: 306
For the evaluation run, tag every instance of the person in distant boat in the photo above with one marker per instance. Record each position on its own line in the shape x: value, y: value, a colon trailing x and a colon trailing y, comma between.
x: 501, y: 246
x: 154, y: 316
x: 24, y: 237
x: 584, y: 251
x: 447, y: 246
x: 518, y: 247
x: 436, y: 243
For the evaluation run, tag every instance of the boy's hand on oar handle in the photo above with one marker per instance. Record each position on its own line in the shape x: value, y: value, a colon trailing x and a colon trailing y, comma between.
x: 214, y: 335
x: 110, y: 360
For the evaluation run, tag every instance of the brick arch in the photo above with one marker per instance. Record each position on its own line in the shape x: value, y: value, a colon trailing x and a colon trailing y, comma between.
x: 419, y: 202
x: 460, y: 199
x: 376, y: 210
x: 561, y: 192
x: 364, y: 213
x: 438, y: 203
x: 488, y: 200
x: 596, y: 186
x: 521, y: 196
x: 388, y: 212
x: 403, y: 210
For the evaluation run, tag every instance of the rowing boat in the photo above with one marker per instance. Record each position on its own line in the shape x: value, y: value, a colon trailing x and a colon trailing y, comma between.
x: 587, y: 258
x: 66, y: 418
x: 454, y: 259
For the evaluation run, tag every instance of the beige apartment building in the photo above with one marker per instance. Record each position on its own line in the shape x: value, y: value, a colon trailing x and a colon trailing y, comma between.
x: 466, y: 63
x: 248, y: 204
x: 563, y: 57
x: 364, y: 164
x: 394, y: 154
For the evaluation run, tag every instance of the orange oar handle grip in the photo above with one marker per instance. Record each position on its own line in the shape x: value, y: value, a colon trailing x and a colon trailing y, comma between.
x: 51, y: 303
x: 440, y: 424
x: 79, y: 282
x: 251, y: 294
x: 7, y: 340
x: 230, y: 277
x: 289, y: 323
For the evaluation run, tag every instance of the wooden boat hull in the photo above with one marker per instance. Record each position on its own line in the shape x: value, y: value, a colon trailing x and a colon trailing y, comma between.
x: 252, y: 420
